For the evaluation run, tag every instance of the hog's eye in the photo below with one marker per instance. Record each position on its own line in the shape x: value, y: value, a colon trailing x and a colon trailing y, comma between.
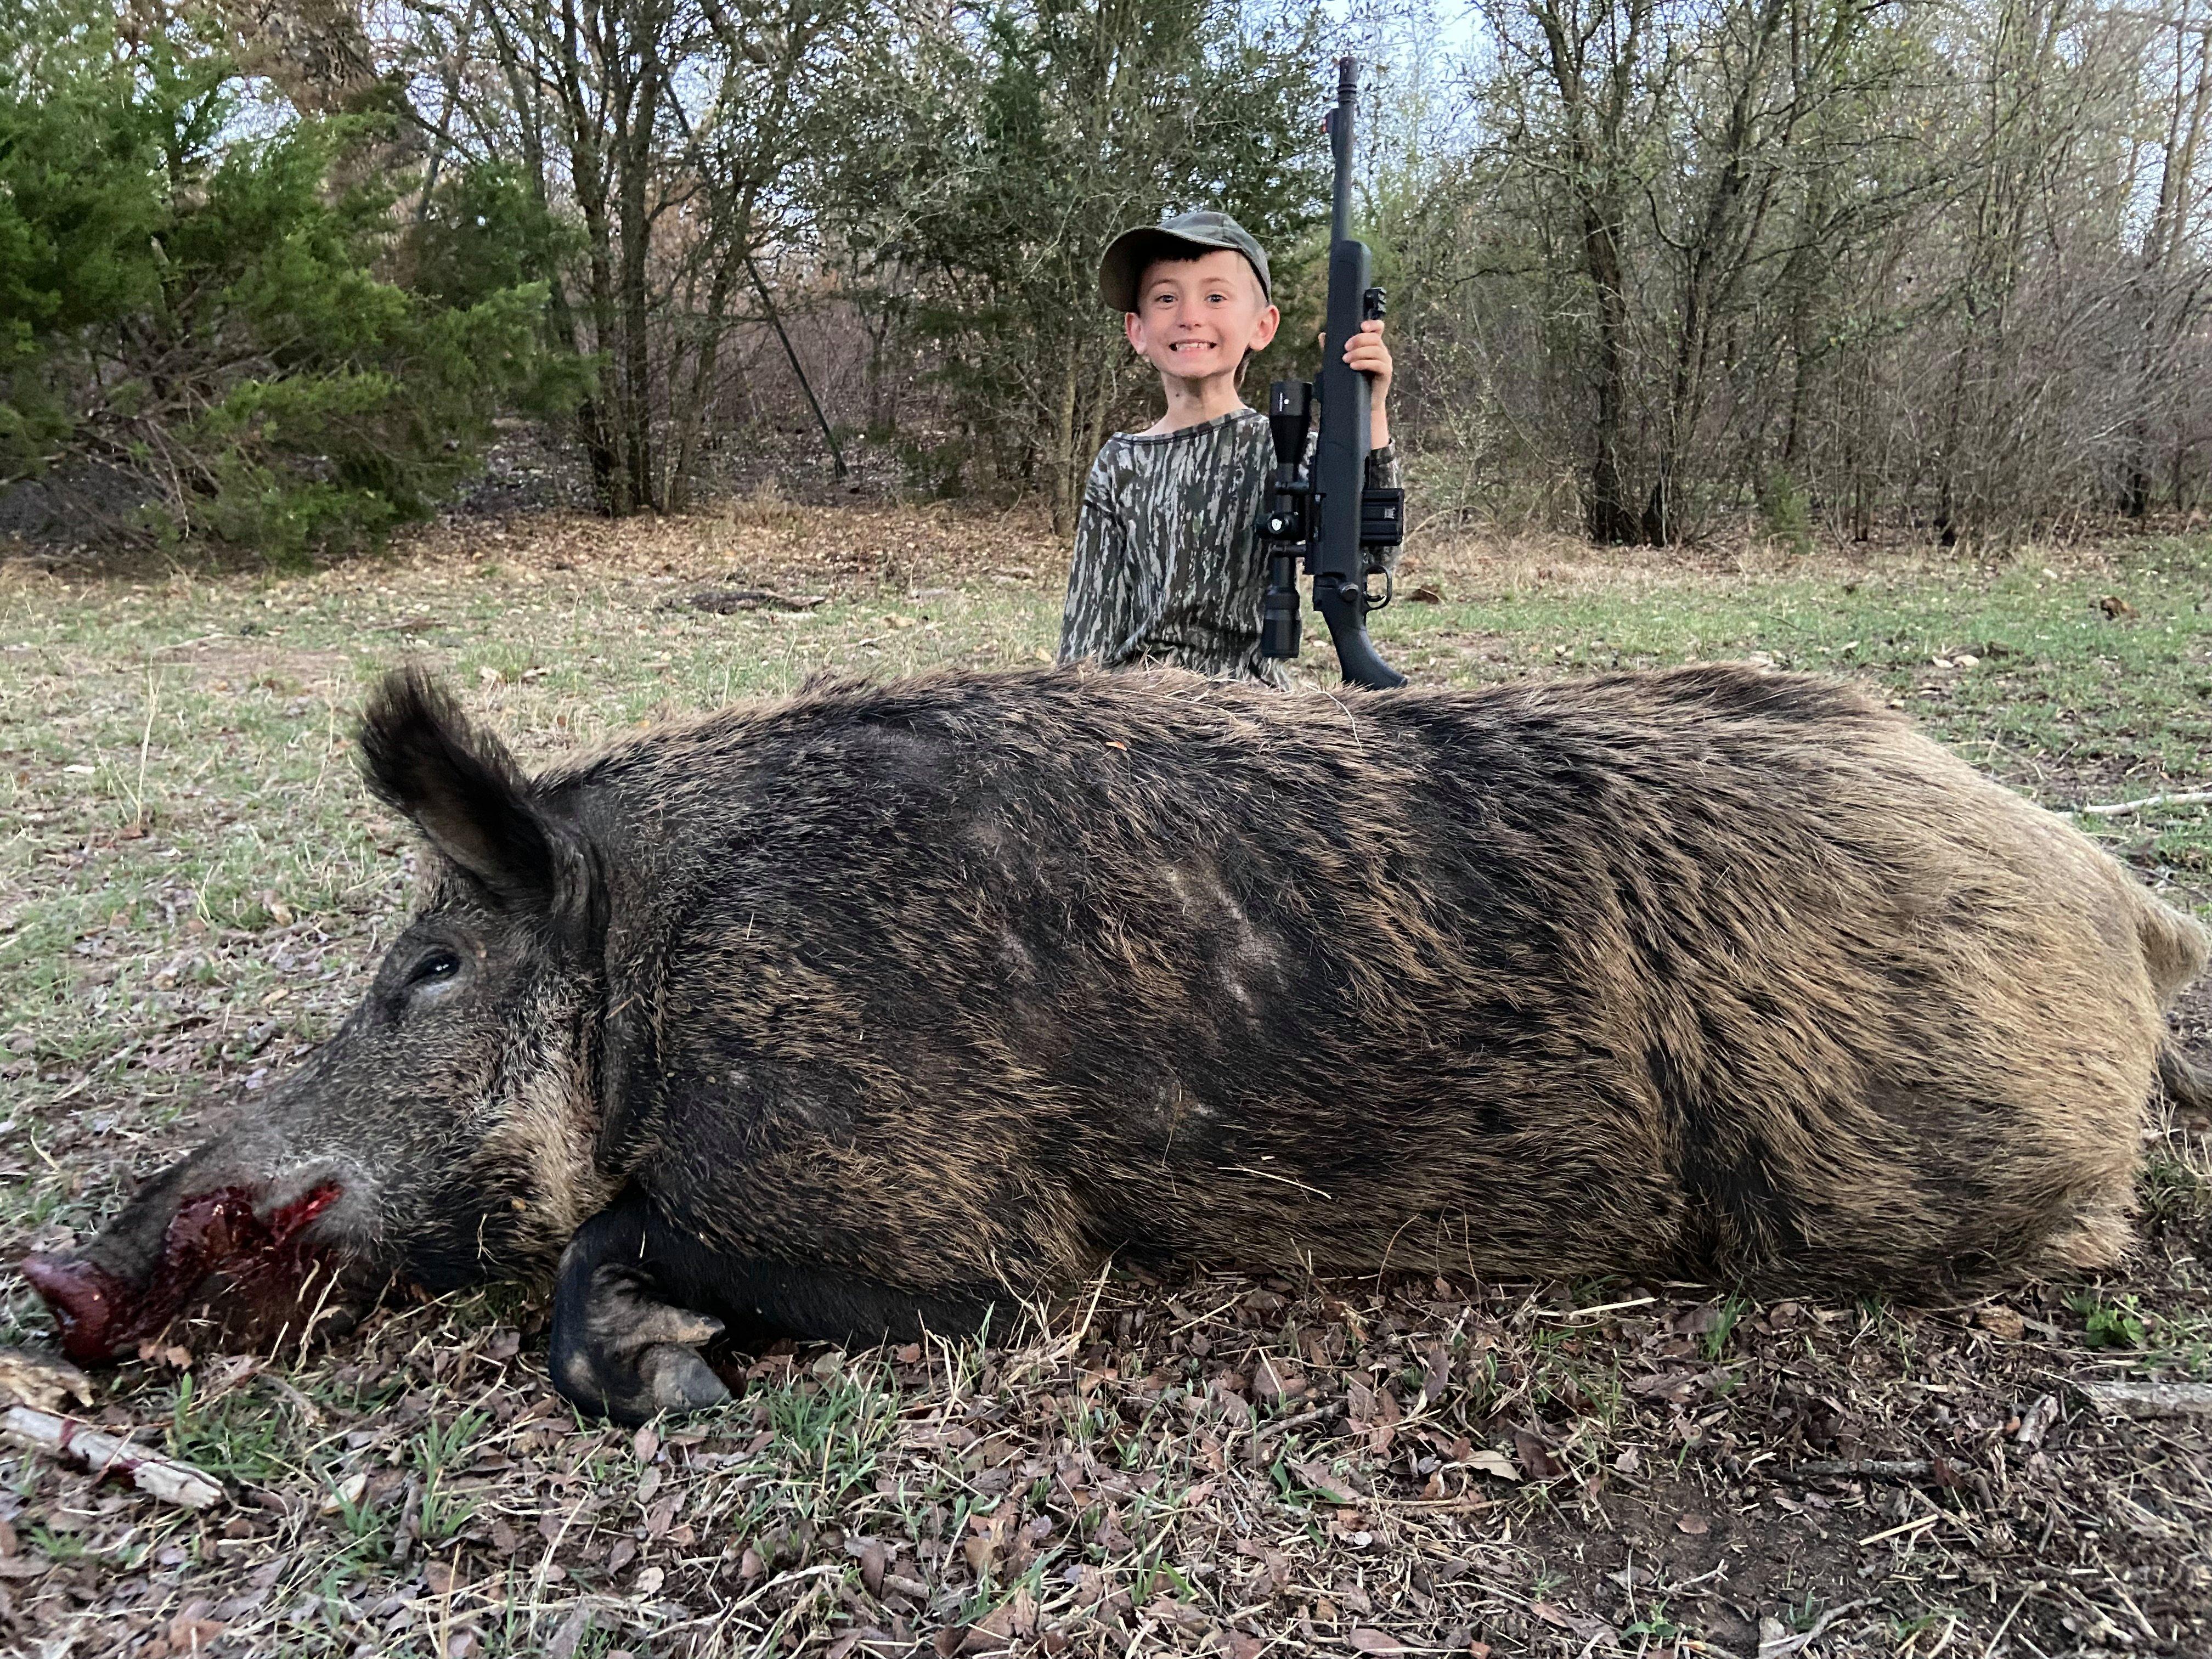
x: 437, y: 966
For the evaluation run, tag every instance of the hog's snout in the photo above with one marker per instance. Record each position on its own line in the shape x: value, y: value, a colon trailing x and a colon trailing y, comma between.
x: 86, y: 1299
x: 248, y: 1263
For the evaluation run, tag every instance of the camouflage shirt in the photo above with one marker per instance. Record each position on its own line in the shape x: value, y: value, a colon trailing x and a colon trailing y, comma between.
x: 1167, y: 566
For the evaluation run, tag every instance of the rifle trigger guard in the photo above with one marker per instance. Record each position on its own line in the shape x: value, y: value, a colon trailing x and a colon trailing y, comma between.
x: 1390, y: 591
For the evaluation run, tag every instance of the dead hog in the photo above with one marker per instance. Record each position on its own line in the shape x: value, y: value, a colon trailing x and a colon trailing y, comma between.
x: 855, y: 1011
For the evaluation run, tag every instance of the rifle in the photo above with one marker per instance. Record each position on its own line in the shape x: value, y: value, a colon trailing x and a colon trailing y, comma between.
x: 1328, y: 517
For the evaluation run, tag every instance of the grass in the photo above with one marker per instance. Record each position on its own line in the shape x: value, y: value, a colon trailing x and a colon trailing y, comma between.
x: 193, y: 887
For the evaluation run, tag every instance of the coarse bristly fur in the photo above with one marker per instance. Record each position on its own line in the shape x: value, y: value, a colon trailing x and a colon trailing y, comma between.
x: 955, y: 985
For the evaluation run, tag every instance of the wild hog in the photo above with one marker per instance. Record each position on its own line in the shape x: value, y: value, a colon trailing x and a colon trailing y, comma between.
x: 856, y: 1011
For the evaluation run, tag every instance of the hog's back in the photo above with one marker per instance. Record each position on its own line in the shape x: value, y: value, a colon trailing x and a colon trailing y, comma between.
x: 970, y: 979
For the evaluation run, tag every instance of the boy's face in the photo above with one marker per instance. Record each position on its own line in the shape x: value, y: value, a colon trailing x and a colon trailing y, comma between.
x: 1195, y: 319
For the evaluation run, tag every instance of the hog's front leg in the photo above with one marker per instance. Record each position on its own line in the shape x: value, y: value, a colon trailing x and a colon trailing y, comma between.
x: 618, y: 1349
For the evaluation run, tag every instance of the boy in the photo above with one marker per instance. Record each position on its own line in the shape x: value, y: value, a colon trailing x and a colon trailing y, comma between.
x: 1167, y: 565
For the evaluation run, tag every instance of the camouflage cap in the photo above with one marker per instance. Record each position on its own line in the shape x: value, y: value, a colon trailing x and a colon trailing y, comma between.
x: 1186, y: 236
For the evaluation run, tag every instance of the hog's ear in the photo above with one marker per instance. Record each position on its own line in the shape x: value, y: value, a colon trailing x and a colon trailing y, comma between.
x: 460, y: 786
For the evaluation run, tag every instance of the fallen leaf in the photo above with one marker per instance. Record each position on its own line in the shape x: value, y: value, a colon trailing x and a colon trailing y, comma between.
x: 29, y: 1379
x: 1369, y: 1640
x: 570, y: 1636
x: 192, y: 1630
x: 2002, y: 1322
x: 1278, y: 1564
x: 1015, y: 1618
x: 1435, y: 1377
x: 1582, y: 1626
x: 1276, y: 1379
x: 650, y: 1581
x: 1536, y: 1462
x: 1493, y: 1463
x: 1163, y: 1609
x: 1318, y: 1477
x: 1693, y: 1526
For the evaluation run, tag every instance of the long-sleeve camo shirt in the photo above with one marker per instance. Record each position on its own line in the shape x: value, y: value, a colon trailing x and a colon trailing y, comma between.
x: 1168, y: 566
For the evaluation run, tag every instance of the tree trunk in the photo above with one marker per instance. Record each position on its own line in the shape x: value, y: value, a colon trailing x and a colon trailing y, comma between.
x: 692, y: 417
x: 1066, y: 468
x: 1606, y: 514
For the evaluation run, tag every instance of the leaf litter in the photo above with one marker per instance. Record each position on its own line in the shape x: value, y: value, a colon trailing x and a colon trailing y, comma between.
x: 1207, y: 1464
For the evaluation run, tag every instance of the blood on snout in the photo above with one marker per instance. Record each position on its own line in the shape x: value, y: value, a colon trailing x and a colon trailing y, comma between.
x: 261, y: 1262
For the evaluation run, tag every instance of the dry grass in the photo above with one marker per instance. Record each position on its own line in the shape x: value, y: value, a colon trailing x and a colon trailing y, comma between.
x: 192, y: 886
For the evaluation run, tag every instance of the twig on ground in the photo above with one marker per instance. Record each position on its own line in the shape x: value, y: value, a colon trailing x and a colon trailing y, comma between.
x: 725, y: 601
x: 164, y: 1477
x: 2113, y: 809
x: 1792, y: 1643
x: 1284, y: 1424
x: 1873, y: 1468
x: 1902, y: 1527
x: 2153, y: 1399
x: 2005, y: 1624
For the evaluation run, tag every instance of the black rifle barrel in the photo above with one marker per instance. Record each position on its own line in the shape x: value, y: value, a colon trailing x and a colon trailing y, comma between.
x: 1337, y: 562
x: 1339, y: 144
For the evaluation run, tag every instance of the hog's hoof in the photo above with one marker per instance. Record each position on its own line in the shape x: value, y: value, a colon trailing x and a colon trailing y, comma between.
x: 630, y: 1358
x: 678, y: 1380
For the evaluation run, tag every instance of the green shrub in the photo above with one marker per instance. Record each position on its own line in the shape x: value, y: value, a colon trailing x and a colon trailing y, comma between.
x: 2115, y: 1324
x: 204, y: 310
x: 1787, y: 510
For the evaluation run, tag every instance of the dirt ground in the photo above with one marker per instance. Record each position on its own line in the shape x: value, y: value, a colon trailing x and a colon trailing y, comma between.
x: 193, y: 893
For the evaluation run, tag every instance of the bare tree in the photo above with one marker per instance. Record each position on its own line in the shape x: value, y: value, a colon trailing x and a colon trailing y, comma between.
x: 1823, y: 259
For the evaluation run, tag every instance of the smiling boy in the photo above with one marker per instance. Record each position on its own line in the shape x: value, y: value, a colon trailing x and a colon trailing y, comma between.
x: 1167, y: 565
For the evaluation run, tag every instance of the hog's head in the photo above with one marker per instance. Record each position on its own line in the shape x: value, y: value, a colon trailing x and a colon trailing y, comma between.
x: 443, y: 1134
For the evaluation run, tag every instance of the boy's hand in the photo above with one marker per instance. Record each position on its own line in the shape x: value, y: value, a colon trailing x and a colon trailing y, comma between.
x: 1365, y: 352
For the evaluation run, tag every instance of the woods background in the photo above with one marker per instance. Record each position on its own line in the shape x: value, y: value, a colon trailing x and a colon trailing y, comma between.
x: 271, y: 270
